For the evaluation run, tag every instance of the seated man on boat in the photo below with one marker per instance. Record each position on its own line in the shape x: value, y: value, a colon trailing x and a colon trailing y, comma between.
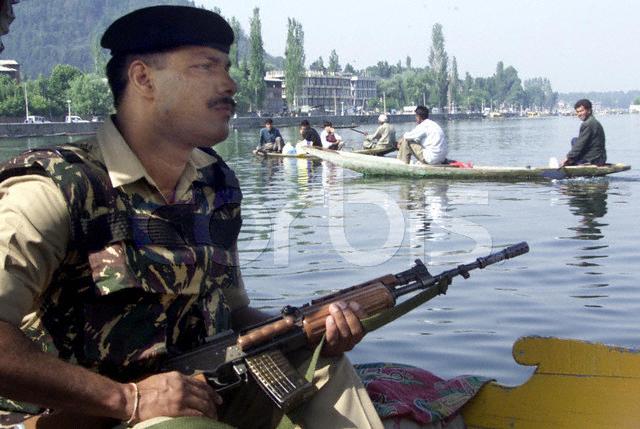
x: 384, y: 137
x: 426, y: 142
x: 270, y: 138
x: 92, y: 292
x: 329, y: 138
x: 589, y: 146
x: 310, y: 137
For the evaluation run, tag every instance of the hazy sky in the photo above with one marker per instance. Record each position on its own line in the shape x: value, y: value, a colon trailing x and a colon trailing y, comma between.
x: 579, y: 45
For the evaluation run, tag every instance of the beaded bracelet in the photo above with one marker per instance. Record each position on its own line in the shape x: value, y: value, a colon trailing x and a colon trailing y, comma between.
x: 135, y: 404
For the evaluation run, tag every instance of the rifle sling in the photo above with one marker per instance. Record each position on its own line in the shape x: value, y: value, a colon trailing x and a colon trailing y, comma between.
x: 287, y: 421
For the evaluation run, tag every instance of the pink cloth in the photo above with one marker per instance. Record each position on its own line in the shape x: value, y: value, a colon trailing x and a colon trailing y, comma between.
x: 402, y: 391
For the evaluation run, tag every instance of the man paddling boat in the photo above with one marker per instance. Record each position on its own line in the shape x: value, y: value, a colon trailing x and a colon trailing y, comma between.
x: 384, y: 137
x: 124, y: 247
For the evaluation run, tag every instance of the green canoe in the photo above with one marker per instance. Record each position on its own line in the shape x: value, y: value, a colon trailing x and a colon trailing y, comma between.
x: 375, y: 152
x: 385, y: 166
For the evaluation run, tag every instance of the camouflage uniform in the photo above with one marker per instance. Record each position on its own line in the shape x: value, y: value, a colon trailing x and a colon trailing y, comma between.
x: 139, y: 279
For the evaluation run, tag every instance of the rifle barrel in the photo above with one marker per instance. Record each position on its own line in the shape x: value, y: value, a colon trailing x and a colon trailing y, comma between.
x: 463, y: 269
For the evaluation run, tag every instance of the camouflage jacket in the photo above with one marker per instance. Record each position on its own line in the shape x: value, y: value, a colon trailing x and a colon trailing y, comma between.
x: 139, y: 279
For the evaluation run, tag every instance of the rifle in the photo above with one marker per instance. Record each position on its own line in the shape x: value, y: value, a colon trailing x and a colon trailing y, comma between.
x: 227, y: 359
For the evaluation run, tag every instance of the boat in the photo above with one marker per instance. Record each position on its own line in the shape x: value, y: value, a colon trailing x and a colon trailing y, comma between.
x: 576, y: 384
x: 369, y: 152
x: 386, y: 166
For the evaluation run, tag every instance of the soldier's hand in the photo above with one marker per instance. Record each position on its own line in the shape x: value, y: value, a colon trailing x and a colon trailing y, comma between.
x: 173, y: 394
x: 343, y: 328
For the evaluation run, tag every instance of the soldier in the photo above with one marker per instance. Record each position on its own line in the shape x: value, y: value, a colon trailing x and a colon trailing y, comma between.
x: 104, y: 260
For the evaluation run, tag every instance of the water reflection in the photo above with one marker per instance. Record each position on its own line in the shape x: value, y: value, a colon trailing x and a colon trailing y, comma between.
x: 588, y: 201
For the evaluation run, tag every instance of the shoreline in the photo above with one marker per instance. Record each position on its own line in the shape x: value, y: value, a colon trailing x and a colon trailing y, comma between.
x: 20, y: 130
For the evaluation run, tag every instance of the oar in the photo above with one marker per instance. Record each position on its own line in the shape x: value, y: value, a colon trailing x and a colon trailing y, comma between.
x: 358, y: 131
x: 556, y: 173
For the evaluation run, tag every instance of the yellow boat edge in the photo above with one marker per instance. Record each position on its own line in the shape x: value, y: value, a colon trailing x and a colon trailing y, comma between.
x: 576, y: 384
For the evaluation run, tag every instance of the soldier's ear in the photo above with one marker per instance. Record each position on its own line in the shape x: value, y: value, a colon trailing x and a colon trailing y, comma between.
x: 141, y: 78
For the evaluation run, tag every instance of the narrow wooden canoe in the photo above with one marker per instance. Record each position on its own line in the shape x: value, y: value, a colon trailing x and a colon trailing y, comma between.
x: 576, y: 384
x: 375, y: 152
x: 386, y: 166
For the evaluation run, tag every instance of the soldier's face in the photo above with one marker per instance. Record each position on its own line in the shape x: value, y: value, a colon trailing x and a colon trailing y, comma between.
x: 193, y: 95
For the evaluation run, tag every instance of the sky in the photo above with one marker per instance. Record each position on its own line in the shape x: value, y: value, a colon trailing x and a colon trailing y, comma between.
x: 580, y: 46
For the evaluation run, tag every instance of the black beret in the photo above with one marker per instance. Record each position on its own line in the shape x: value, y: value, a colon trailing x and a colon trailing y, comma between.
x: 160, y: 28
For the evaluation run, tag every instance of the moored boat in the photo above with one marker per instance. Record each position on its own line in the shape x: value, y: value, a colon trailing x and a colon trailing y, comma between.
x: 385, y: 166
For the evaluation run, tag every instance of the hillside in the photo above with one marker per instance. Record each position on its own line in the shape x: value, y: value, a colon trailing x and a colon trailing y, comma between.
x: 46, y: 33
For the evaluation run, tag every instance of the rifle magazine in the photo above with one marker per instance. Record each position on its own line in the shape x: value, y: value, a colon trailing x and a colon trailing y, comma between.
x: 279, y: 379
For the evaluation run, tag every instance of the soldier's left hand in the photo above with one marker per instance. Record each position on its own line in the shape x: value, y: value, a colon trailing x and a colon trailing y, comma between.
x: 343, y: 328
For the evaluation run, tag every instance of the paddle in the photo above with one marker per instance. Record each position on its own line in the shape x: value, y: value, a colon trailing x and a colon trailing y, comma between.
x: 557, y: 171
x: 358, y: 131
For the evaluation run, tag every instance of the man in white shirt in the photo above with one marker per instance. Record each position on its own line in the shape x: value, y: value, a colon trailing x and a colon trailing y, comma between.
x: 426, y: 141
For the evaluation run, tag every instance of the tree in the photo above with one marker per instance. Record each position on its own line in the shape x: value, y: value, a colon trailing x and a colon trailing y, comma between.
x: 318, y: 65
x: 438, y: 61
x: 234, y: 52
x: 454, y: 85
x: 11, y: 97
x: 294, y: 61
x: 539, y: 94
x: 349, y: 69
x: 334, y: 62
x: 636, y: 101
x: 407, y: 63
x: 256, y: 82
x: 90, y: 95
x: 58, y: 86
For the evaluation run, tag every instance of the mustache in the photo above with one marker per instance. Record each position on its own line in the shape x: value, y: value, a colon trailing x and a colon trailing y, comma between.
x: 226, y: 101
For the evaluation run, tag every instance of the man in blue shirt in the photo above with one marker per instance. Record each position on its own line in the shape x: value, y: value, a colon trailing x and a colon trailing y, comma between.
x: 270, y: 138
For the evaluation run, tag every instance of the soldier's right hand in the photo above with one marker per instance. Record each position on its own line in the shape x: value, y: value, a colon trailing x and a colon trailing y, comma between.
x: 173, y: 394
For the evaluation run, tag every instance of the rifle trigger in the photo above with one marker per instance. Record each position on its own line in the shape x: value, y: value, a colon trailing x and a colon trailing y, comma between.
x: 463, y: 271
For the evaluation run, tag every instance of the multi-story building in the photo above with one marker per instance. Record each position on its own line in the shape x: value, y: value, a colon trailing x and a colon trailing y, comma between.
x: 331, y: 92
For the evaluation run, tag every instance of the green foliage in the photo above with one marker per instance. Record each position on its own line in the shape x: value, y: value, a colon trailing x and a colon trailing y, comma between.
x: 455, y: 87
x: 90, y: 95
x: 349, y: 69
x: 46, y: 33
x: 636, y: 101
x: 11, y: 97
x: 438, y: 61
x: 294, y: 61
x: 334, y: 63
x: 256, y: 61
x: 318, y: 65
x: 539, y: 94
x: 234, y: 52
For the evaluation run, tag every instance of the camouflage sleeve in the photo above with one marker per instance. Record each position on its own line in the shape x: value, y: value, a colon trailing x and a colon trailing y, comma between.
x: 34, y: 232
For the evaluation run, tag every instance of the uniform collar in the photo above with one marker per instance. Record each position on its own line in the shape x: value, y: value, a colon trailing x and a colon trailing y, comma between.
x: 123, y: 165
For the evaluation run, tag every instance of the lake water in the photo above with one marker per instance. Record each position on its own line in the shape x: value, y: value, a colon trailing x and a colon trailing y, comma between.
x: 311, y: 228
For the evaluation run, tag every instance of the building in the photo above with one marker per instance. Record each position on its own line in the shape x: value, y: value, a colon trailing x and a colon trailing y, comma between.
x: 10, y: 68
x: 634, y: 108
x: 273, y: 102
x: 338, y: 93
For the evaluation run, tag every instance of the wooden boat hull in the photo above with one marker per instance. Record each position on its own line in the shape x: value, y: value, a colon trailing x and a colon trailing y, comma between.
x: 576, y: 385
x: 374, y: 152
x: 385, y: 166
